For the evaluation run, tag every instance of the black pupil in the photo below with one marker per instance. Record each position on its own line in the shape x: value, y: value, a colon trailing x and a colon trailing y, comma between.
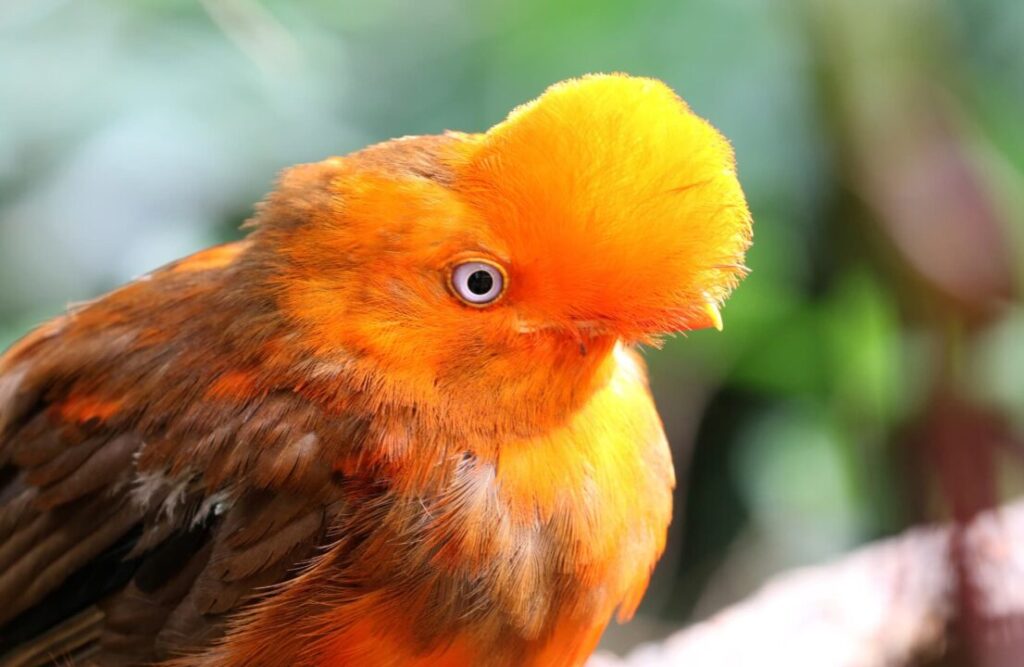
x: 480, y: 282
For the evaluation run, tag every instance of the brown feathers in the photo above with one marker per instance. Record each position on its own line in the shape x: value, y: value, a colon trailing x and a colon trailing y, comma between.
x: 301, y: 449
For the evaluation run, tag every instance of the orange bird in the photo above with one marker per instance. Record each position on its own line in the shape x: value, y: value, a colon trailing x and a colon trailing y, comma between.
x: 401, y: 423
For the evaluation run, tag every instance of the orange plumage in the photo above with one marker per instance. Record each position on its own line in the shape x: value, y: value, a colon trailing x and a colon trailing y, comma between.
x: 400, y: 424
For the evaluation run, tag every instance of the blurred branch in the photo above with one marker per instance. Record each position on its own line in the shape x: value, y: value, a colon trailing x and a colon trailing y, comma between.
x: 888, y: 604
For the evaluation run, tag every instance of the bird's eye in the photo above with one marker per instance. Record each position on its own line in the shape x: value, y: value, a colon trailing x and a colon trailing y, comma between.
x: 478, y: 283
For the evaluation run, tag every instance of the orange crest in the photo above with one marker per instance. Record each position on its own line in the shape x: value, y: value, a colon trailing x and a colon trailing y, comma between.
x: 618, y: 205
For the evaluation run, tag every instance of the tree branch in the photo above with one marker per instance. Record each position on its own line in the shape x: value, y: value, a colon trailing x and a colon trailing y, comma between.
x: 890, y: 603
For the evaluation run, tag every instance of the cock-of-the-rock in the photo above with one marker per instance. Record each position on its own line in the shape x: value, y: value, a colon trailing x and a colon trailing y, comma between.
x: 400, y: 423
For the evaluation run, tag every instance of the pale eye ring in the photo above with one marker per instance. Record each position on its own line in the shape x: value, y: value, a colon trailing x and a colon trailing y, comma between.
x: 477, y: 282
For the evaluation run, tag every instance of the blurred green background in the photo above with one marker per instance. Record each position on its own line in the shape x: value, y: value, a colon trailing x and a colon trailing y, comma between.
x: 871, y: 371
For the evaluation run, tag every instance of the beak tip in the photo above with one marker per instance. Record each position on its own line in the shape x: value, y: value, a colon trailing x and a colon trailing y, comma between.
x: 714, y: 315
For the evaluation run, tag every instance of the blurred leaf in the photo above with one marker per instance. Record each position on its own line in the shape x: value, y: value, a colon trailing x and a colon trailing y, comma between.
x: 799, y: 484
x: 997, y: 371
x: 865, y: 359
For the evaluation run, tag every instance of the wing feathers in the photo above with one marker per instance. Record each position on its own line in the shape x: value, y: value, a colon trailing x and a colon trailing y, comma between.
x: 114, y: 449
x: 100, y: 470
x: 54, y: 546
x: 105, y: 530
x: 17, y: 507
x: 45, y: 472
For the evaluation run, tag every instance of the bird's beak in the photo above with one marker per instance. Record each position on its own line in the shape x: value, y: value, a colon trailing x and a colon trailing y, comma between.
x: 577, y: 326
x: 711, y: 317
x: 714, y: 315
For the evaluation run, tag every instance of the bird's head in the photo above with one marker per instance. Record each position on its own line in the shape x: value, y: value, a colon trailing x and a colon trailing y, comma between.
x: 470, y: 267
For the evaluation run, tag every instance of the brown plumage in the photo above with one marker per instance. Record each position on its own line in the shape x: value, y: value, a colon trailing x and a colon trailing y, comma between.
x: 310, y: 448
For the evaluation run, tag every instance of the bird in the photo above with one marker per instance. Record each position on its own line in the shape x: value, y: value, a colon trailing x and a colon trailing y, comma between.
x: 404, y: 421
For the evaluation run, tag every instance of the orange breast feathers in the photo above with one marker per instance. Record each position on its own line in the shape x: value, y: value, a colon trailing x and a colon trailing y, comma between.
x: 564, y: 529
x: 518, y: 560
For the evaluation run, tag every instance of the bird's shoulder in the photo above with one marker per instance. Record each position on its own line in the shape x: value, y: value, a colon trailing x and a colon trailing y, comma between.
x: 155, y: 474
